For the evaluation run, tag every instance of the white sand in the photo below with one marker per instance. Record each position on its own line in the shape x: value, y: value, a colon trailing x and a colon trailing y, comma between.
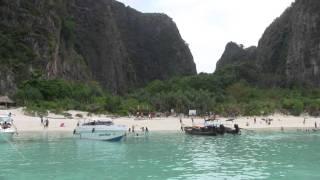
x: 26, y: 123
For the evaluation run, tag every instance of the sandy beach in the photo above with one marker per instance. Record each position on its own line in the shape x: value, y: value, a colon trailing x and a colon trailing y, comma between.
x: 25, y: 123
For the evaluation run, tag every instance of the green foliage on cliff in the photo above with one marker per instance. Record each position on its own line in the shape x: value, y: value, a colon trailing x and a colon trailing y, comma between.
x: 68, y: 27
x: 15, y: 54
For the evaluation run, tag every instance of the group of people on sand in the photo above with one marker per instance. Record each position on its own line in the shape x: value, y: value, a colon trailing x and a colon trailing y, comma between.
x: 143, y: 129
x: 45, y: 123
x: 141, y: 115
x: 268, y: 121
x: 315, y: 123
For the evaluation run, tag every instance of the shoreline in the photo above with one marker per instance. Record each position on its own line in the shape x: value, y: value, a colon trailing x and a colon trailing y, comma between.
x: 59, y: 123
x: 288, y: 129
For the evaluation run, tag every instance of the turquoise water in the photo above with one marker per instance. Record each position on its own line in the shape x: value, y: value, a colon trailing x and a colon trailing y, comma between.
x: 275, y: 155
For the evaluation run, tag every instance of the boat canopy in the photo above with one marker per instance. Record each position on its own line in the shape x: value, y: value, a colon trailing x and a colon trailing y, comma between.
x: 215, y: 123
x: 5, y: 119
x: 98, y: 122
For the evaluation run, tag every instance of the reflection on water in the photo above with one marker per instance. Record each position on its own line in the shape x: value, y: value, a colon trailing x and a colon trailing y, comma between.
x: 291, y: 155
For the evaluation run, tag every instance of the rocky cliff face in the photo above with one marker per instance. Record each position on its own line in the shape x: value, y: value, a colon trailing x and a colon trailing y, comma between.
x: 236, y: 54
x: 289, y: 51
x: 85, y: 40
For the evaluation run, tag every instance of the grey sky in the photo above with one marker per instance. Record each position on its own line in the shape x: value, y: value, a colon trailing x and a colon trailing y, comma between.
x: 208, y: 25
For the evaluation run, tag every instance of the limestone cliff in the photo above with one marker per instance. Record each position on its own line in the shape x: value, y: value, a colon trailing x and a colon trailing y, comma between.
x: 237, y: 54
x: 84, y: 40
x: 289, y: 51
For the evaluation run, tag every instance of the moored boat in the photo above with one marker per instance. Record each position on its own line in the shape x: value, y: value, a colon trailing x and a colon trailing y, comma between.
x: 104, y: 130
x: 7, y: 129
x: 211, y: 128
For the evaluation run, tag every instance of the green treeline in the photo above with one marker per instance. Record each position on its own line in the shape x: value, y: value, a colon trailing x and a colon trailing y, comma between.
x: 221, y: 92
x: 212, y: 93
x: 39, y: 95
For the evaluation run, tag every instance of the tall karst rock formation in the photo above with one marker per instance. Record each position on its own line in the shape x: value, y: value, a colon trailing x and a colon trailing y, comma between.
x: 88, y: 40
x: 288, y: 54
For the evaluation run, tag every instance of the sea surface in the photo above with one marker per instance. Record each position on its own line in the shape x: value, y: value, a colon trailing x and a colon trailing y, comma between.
x: 166, y: 155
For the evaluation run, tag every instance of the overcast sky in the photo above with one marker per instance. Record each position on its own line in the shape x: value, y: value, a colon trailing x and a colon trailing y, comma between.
x: 208, y: 25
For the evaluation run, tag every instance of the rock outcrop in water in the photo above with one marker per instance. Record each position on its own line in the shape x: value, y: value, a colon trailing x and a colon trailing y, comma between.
x: 288, y: 54
x: 83, y: 40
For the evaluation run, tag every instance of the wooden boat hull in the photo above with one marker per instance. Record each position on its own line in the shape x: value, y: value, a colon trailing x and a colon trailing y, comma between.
x: 211, y: 131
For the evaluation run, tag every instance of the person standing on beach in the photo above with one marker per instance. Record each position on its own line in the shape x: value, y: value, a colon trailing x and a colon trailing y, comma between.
x: 41, y: 119
x: 46, y: 124
x: 315, y: 125
x: 192, y: 121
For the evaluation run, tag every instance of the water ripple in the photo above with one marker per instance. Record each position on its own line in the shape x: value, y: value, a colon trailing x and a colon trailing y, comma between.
x: 292, y: 155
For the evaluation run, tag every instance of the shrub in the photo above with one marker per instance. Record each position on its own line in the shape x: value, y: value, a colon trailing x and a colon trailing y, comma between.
x: 294, y: 106
x: 313, y: 107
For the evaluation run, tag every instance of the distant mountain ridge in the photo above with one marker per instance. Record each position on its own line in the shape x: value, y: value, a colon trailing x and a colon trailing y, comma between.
x: 288, y: 54
x: 83, y: 40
